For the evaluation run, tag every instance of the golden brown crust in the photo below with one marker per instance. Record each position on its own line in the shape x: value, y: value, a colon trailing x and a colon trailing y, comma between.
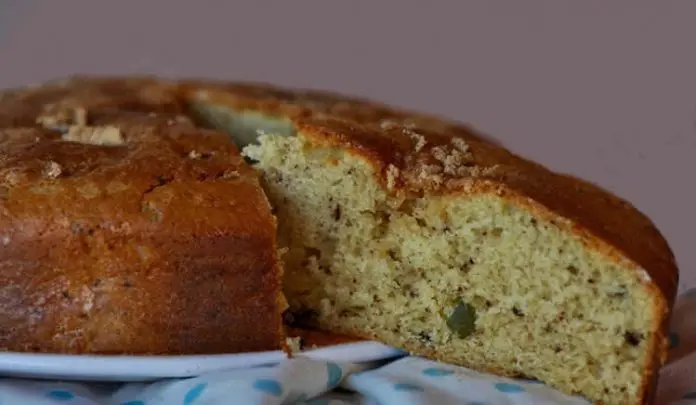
x: 413, y: 153
x: 138, y: 248
x: 21, y: 107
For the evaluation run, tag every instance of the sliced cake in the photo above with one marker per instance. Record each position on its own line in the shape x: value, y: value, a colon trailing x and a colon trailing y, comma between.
x: 449, y: 246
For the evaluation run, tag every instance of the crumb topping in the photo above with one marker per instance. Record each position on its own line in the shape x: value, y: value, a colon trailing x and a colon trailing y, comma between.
x: 418, y: 140
x: 407, y: 128
x: 80, y: 116
x: 294, y: 343
x: 448, y: 163
x: 460, y: 144
x: 179, y: 119
x: 392, y: 176
x: 61, y: 115
x: 230, y: 174
x: 102, y: 135
x: 52, y: 170
x: 454, y: 159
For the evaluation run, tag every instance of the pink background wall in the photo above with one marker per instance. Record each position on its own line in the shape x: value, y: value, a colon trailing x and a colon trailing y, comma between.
x: 604, y: 90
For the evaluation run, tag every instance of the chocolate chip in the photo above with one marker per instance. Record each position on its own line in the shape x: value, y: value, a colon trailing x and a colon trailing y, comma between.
x: 301, y: 317
x: 633, y: 338
x: 424, y: 337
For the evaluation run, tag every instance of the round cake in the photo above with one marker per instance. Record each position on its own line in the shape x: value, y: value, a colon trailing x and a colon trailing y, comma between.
x: 392, y: 225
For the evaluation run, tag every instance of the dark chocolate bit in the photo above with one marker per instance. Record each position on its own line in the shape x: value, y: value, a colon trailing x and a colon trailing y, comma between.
x: 633, y: 338
x: 424, y: 337
x: 301, y: 317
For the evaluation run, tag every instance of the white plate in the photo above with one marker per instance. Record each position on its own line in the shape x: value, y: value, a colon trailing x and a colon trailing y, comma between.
x: 144, y: 368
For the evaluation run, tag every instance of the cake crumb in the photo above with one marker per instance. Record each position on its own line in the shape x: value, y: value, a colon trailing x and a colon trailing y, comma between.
x: 407, y: 129
x: 387, y: 124
x: 460, y: 144
x: 179, y: 119
x: 60, y: 116
x: 392, y: 176
x: 80, y: 116
x: 87, y: 297
x: 452, y: 159
x: 428, y: 173
x: 53, y: 170
x: 230, y: 174
x: 417, y: 138
x: 294, y: 344
x: 106, y: 135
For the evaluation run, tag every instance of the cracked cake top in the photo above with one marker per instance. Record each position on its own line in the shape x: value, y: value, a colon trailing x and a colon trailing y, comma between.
x: 121, y: 179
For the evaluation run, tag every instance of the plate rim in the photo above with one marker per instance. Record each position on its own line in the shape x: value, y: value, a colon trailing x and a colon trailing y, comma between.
x: 107, y: 367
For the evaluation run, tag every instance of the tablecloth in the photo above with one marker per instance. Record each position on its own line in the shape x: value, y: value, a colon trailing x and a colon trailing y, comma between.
x: 404, y: 381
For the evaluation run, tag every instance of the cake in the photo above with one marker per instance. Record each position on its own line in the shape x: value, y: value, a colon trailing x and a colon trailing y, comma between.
x: 422, y: 234
x: 153, y: 238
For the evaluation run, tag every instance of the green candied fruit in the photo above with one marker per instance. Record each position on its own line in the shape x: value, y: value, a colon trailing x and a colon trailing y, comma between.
x: 462, y: 320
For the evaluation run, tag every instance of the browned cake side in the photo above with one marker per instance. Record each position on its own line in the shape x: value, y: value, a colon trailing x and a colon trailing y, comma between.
x: 162, y: 245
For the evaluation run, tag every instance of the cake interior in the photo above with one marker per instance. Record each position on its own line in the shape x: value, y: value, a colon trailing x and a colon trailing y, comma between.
x: 475, y: 280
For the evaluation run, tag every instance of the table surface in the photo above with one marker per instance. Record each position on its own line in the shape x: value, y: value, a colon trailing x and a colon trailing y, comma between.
x: 604, y: 90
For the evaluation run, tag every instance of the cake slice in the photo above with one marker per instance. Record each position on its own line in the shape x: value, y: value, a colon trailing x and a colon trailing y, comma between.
x: 143, y: 236
x: 447, y: 245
